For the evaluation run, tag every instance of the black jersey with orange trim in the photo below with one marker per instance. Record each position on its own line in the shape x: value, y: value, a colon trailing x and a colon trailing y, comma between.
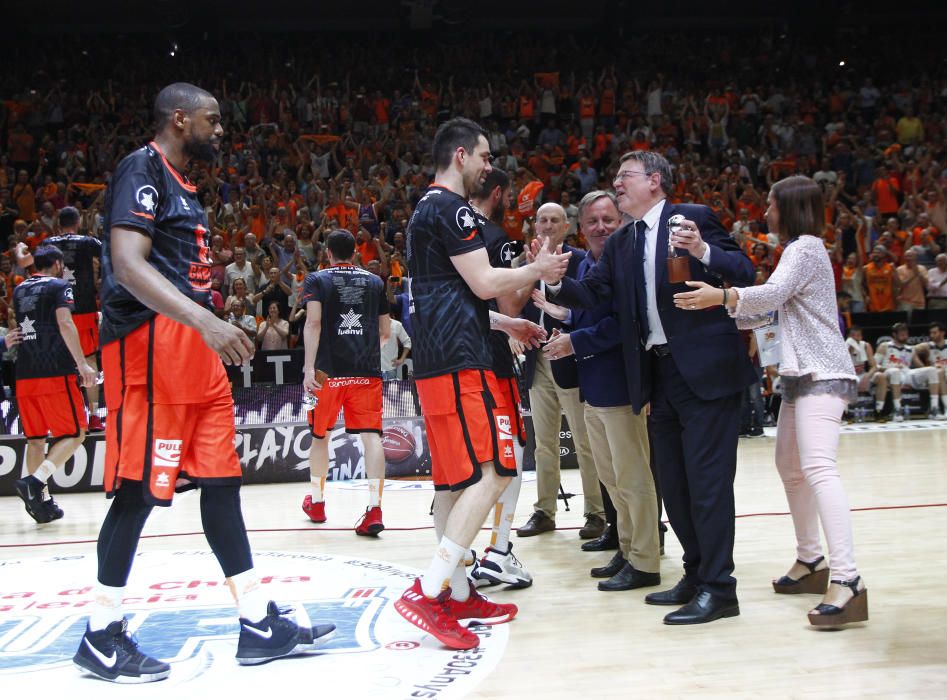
x: 43, y: 352
x: 501, y: 251
x: 451, y: 324
x: 352, y: 300
x: 149, y: 194
x: 78, y: 255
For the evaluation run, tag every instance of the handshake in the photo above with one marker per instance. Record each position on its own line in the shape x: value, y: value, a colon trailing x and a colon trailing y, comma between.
x: 549, y: 260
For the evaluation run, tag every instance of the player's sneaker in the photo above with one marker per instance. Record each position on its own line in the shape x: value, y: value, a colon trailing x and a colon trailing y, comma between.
x: 315, y: 511
x: 95, y: 424
x: 898, y: 417
x: 113, y: 654
x: 53, y: 511
x: 481, y: 609
x: 30, y: 490
x: 370, y: 524
x: 433, y: 616
x: 472, y: 564
x: 277, y: 635
x: 502, y: 567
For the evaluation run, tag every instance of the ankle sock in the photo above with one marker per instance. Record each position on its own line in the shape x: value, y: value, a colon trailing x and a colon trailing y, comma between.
x: 318, y: 485
x: 438, y: 576
x: 375, y: 487
x: 44, y: 471
x: 246, y: 590
x: 106, y: 606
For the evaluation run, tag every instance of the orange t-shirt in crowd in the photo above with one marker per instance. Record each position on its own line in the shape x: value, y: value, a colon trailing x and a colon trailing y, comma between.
x: 346, y: 217
x: 587, y: 107
x: 886, y: 191
x: 367, y: 251
x: 527, y: 107
x: 880, y: 282
x: 513, y: 224
x: 606, y: 103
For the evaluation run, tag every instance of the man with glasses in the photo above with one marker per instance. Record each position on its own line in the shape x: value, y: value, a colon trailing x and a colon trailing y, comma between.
x: 691, y: 368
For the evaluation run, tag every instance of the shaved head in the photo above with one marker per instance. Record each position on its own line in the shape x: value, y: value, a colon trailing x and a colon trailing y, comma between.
x: 184, y: 96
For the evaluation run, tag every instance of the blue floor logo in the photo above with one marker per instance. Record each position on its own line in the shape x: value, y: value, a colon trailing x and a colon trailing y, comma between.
x: 180, y: 611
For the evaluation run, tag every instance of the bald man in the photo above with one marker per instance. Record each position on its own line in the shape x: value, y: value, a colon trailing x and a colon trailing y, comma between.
x: 553, y: 389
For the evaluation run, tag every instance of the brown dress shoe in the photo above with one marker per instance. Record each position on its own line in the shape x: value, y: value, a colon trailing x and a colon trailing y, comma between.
x: 537, y: 524
x: 594, y: 527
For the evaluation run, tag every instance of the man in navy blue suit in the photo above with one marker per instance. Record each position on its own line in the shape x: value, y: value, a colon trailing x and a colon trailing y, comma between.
x: 618, y: 435
x: 691, y: 368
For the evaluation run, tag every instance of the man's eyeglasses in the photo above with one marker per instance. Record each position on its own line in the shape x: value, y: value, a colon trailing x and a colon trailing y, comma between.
x: 621, y: 175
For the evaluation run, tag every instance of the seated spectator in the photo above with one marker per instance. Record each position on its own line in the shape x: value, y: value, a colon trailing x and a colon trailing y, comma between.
x: 240, y: 293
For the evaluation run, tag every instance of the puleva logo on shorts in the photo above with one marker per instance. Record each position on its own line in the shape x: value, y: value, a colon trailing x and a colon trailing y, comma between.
x: 180, y: 609
x: 504, y: 428
x: 167, y: 453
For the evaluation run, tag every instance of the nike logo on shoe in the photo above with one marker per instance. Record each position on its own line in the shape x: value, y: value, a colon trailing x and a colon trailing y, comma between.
x: 107, y: 661
x: 258, y: 632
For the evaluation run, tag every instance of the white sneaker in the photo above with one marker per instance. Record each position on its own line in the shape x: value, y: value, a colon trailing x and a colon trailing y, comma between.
x: 472, y: 565
x: 502, y: 567
x: 898, y: 417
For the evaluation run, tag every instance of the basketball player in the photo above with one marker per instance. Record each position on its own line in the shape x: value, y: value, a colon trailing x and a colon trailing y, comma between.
x: 343, y: 340
x: 171, y: 413
x: 46, y: 385
x: 933, y: 355
x: 469, y: 425
x: 81, y: 255
x: 499, y: 564
x: 895, y: 358
x: 866, y: 368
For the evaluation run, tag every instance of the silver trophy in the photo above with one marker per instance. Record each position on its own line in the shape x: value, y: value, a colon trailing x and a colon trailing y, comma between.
x: 678, y: 265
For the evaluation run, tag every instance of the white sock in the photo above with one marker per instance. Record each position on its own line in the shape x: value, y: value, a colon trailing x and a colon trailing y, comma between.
x: 459, y: 585
x: 879, y: 406
x: 897, y: 404
x: 935, y: 402
x: 438, y: 576
x: 318, y: 485
x: 246, y: 590
x: 375, y: 487
x: 506, y: 506
x: 45, y: 470
x: 106, y: 606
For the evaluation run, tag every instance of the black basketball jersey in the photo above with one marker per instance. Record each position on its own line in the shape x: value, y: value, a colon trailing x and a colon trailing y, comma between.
x: 149, y: 194
x: 451, y: 324
x: 501, y: 253
x: 78, y: 253
x: 43, y: 352
x: 352, y: 300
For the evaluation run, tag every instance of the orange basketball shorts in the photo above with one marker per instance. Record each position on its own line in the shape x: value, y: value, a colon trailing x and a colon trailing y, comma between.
x: 359, y: 397
x: 468, y: 423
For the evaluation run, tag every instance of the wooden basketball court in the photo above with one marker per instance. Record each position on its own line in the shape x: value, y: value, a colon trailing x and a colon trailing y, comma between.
x: 572, y: 641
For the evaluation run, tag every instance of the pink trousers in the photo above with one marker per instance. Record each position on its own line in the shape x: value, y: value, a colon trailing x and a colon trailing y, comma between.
x: 807, y: 437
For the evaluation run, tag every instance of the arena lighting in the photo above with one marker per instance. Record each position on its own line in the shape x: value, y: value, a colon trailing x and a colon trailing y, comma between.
x: 841, y: 63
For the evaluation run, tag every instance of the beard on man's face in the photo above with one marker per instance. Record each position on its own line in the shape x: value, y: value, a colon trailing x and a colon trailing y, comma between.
x: 202, y: 150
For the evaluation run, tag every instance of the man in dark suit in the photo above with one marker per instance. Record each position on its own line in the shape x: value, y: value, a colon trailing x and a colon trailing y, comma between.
x: 618, y: 435
x: 554, y: 390
x: 690, y: 367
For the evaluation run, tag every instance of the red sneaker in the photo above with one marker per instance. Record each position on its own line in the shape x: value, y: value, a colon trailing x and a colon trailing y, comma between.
x: 370, y: 524
x: 315, y: 511
x: 95, y: 424
x: 432, y: 615
x: 481, y: 609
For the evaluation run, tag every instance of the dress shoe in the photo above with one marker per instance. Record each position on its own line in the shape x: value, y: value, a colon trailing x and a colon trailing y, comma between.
x: 682, y: 593
x: 816, y: 581
x: 594, y: 527
x: 628, y: 578
x: 537, y: 524
x: 611, y: 568
x: 854, y: 610
x: 606, y: 541
x: 705, y: 607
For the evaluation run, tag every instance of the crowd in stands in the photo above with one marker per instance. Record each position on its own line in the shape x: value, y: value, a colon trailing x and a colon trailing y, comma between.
x: 337, y: 133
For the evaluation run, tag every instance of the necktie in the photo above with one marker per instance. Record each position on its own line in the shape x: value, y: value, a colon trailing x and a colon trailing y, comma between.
x: 637, y: 269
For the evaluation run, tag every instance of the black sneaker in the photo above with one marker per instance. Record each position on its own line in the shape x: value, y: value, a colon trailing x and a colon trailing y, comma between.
x: 30, y: 490
x: 53, y: 511
x: 277, y: 635
x: 113, y: 654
